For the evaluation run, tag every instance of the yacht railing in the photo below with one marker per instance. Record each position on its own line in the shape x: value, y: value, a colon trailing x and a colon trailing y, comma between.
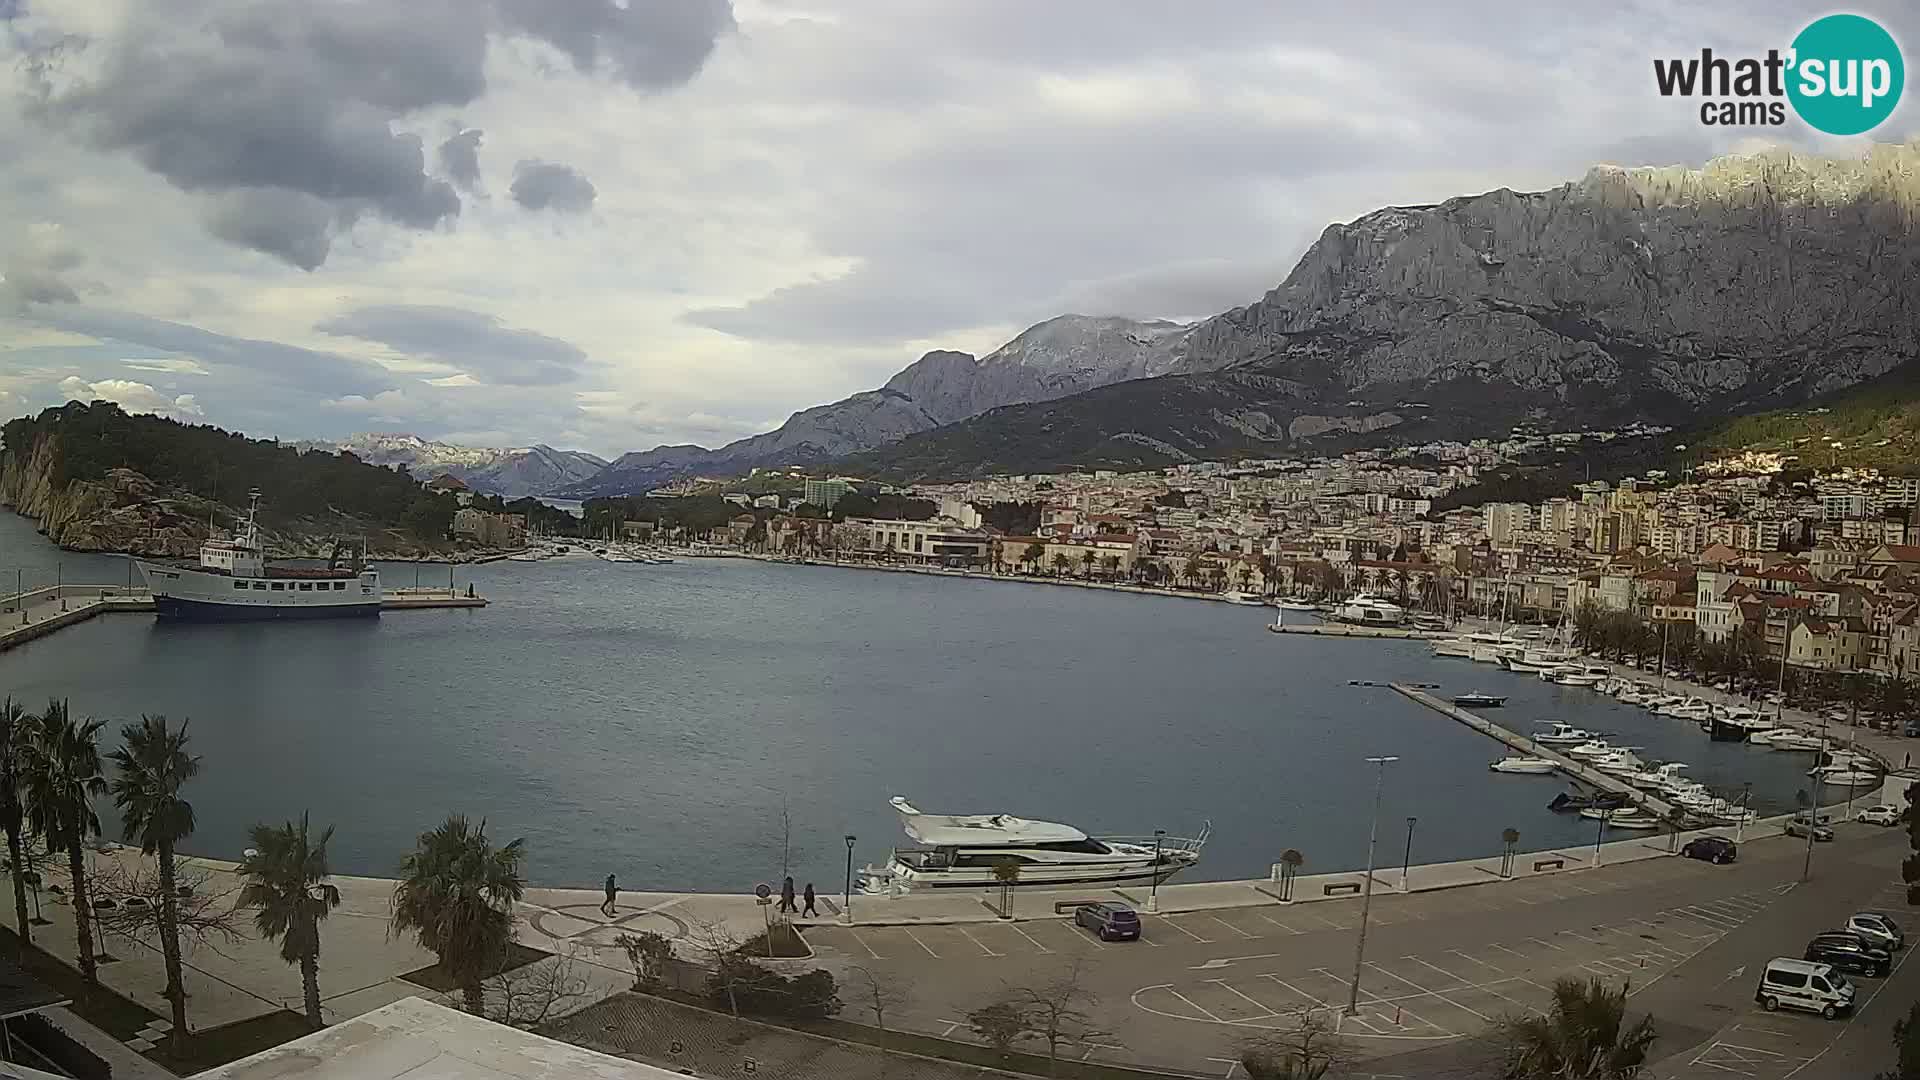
x: 1190, y: 845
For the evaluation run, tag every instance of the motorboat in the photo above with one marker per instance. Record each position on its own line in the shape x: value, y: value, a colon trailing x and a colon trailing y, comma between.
x: 1694, y: 710
x: 1237, y: 596
x: 1621, y: 763
x: 1656, y: 777
x: 1296, y: 603
x: 963, y: 851
x: 1737, y: 725
x: 1563, y: 735
x: 1366, y: 610
x: 1578, y: 676
x: 1536, y: 659
x: 1529, y: 766
x: 1476, y: 699
x: 1592, y: 748
x: 1797, y: 741
x: 1621, y: 817
x: 1846, y: 777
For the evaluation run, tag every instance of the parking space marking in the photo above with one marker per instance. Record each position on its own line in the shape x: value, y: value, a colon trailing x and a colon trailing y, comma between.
x: 1504, y: 949
x: 1497, y: 969
x: 1189, y: 933
x: 1582, y: 937
x: 1269, y: 1011
x: 977, y: 941
x: 1278, y: 923
x: 1711, y: 918
x: 1029, y: 937
x: 1548, y: 944
x: 1190, y: 1003
x: 1232, y: 927
x: 1424, y: 992
x: 863, y: 943
x: 1371, y: 998
x: 1324, y: 919
x: 922, y: 944
x: 1441, y: 970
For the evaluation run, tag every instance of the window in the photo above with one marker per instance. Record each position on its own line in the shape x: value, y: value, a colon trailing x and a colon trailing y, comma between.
x: 987, y: 859
x: 239, y: 584
x: 260, y: 585
x: 306, y: 586
x: 1795, y: 979
x: 277, y: 586
x: 339, y: 586
x: 1820, y: 984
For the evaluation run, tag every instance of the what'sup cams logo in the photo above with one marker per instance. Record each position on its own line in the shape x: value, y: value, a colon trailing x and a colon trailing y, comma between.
x: 1842, y: 75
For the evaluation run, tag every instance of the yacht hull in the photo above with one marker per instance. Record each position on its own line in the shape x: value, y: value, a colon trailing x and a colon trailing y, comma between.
x: 183, y: 610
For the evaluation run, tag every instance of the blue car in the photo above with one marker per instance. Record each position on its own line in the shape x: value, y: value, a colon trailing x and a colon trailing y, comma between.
x: 1109, y: 922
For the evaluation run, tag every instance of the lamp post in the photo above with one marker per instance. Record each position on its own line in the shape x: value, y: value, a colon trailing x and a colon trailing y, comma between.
x: 1406, y: 861
x: 1366, y: 899
x: 1600, y: 834
x: 1813, y: 804
x: 1740, y: 823
x: 846, y: 898
x: 1153, y: 889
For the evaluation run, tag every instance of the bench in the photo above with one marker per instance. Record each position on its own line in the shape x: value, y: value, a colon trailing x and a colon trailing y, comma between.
x: 1548, y: 864
x: 1340, y: 888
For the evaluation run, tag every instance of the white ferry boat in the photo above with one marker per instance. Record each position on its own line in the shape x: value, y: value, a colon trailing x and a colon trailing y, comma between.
x: 961, y: 851
x: 233, y: 582
x: 1370, y: 611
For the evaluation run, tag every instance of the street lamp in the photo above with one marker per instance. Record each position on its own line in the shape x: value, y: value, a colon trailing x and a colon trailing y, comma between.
x: 846, y: 898
x: 1813, y: 804
x: 1366, y: 901
x: 1406, y: 861
x: 1153, y: 888
x: 1740, y: 823
x: 1601, y: 834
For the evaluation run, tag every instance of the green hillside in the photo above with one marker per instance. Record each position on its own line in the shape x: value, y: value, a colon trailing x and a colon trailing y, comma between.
x: 1875, y: 424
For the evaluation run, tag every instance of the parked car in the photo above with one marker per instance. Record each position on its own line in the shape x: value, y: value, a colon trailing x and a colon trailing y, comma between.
x: 1798, y: 984
x: 1848, y: 951
x: 1109, y: 922
x: 1879, y: 815
x: 1801, y: 827
x: 1713, y: 849
x: 1877, y: 929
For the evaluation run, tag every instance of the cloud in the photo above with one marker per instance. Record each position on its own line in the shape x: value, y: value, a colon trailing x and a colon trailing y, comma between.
x: 169, y: 365
x: 543, y: 185
x: 291, y: 115
x: 132, y: 396
x: 475, y: 344
x: 289, y: 368
x: 460, y: 158
x: 34, y: 269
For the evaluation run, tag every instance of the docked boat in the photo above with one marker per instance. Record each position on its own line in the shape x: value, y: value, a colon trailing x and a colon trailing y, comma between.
x: 1465, y: 645
x: 1739, y: 725
x: 1237, y: 596
x: 1296, y: 603
x: 1563, y: 735
x: 233, y: 582
x: 961, y: 851
x: 1529, y: 766
x: 1365, y: 610
x: 1621, y: 817
x: 1479, y: 700
x: 1592, y: 748
x: 1846, y: 776
x: 1796, y: 741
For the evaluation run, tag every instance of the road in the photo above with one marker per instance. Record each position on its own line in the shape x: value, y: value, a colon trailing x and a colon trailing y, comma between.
x: 1685, y: 937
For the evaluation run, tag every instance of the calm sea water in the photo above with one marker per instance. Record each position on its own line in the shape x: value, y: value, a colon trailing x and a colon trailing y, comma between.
x: 655, y: 721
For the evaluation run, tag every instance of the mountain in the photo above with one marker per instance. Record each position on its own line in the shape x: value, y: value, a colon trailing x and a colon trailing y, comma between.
x: 1662, y: 294
x: 534, y: 470
x: 1061, y: 356
x: 1875, y: 424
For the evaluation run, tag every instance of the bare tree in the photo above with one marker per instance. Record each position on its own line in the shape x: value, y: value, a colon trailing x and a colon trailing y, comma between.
x: 720, y: 948
x: 126, y: 897
x: 879, y: 992
x: 1000, y: 1024
x: 1305, y: 1049
x: 532, y: 994
x: 1058, y: 1010
x: 648, y: 953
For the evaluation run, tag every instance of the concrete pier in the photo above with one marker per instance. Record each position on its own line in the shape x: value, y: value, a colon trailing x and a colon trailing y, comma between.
x: 36, y: 613
x: 1572, y: 767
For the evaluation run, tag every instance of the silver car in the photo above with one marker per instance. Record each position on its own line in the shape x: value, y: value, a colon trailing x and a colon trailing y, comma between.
x: 1877, y: 929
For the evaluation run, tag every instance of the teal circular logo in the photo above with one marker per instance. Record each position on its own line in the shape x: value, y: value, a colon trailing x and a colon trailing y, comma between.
x: 1847, y: 74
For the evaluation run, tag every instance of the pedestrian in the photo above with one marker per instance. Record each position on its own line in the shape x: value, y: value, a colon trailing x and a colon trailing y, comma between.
x: 808, y: 911
x: 613, y: 890
x: 786, y: 896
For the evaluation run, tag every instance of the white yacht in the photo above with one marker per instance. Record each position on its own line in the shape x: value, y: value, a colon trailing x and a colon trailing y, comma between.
x: 1592, y: 748
x: 1847, y: 776
x: 1296, y: 603
x: 1238, y: 596
x: 1795, y: 741
x: 1562, y: 735
x: 233, y: 582
x: 1368, y: 610
x: 1527, y: 766
x: 961, y: 851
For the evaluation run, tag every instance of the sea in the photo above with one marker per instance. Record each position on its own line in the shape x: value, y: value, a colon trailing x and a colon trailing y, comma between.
x: 701, y: 725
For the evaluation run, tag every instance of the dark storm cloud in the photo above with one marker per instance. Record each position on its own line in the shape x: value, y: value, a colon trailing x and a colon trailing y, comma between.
x: 648, y: 44
x: 285, y: 368
x: 291, y: 225
x: 547, y: 185
x: 460, y: 159
x: 468, y: 340
x: 304, y: 98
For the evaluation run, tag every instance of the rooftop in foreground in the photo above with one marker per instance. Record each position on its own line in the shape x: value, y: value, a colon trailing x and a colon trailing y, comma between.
x: 420, y: 1040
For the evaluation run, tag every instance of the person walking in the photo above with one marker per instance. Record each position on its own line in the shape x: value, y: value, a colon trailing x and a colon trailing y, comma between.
x: 807, y: 908
x: 786, y: 896
x: 607, y: 907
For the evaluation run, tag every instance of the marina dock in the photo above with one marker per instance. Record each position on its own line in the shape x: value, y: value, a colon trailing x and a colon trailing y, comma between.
x: 1578, y: 770
x: 36, y: 613
x: 1345, y: 630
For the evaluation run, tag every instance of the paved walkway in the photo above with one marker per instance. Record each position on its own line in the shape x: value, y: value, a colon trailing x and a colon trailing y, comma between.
x: 127, y: 1063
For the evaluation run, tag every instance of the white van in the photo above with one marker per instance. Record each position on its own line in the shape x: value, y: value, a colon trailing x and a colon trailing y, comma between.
x: 1801, y: 984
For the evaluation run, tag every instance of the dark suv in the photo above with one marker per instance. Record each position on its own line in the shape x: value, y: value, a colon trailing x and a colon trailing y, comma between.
x: 1849, y: 952
x: 1713, y: 849
x: 1109, y: 922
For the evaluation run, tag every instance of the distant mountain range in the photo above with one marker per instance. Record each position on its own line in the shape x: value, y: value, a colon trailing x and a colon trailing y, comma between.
x: 1672, y: 295
x: 533, y: 470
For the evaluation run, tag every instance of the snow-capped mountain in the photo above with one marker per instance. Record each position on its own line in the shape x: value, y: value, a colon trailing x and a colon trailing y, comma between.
x: 531, y: 470
x: 1061, y: 356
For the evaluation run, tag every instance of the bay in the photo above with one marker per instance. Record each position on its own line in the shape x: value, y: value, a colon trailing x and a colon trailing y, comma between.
x: 656, y: 721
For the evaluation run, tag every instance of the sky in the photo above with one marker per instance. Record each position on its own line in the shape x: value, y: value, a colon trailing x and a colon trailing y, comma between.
x: 612, y: 224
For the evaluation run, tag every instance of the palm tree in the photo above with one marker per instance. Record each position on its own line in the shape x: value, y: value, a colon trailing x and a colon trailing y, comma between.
x: 152, y: 765
x: 1112, y: 564
x: 1032, y: 556
x: 17, y: 726
x: 456, y: 894
x: 1086, y: 563
x: 1582, y: 1036
x: 63, y: 777
x: 287, y: 886
x: 1061, y: 560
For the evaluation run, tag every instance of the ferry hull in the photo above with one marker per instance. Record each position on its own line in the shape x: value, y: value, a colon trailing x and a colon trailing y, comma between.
x: 184, y: 610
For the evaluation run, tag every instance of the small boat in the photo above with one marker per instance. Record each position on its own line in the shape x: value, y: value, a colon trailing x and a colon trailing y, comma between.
x: 1562, y: 734
x: 1529, y: 766
x: 1621, y: 818
x: 1296, y: 603
x: 1797, y: 741
x: 1568, y: 801
x: 1238, y: 597
x: 1368, y: 610
x: 1476, y: 699
x: 1592, y: 748
x: 1846, y: 777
